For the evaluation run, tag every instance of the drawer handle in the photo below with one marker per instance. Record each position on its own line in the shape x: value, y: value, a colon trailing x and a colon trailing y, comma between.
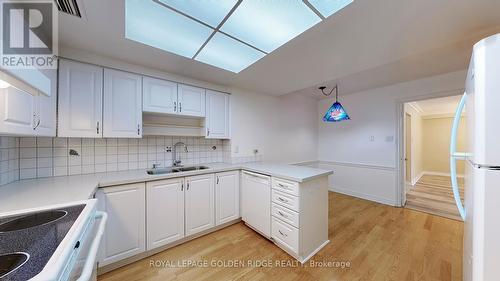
x: 282, y: 233
x: 281, y: 214
x: 282, y: 200
x: 283, y: 186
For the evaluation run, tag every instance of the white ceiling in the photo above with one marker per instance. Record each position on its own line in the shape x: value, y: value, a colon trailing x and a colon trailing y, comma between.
x: 437, y: 107
x: 368, y: 44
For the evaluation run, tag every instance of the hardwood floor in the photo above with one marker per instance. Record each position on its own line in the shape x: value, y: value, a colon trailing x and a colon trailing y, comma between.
x: 433, y: 194
x: 379, y: 242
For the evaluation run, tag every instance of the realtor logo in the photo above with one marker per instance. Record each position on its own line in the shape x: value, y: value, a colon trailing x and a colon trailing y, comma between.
x: 29, y: 30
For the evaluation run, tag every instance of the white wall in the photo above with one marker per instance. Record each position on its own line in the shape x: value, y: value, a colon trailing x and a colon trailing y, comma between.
x: 283, y: 129
x: 346, y: 146
x: 416, y: 159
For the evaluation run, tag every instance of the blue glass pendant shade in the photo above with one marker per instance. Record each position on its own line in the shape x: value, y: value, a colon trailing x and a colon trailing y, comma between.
x: 336, y: 113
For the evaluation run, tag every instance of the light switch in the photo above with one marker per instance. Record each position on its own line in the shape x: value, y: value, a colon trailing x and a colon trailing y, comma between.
x: 389, y: 138
x: 236, y: 149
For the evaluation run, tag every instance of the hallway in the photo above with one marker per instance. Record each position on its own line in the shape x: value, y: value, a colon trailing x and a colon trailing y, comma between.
x: 433, y: 195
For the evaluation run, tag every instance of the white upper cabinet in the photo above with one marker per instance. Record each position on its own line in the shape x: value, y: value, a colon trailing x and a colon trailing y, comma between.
x: 165, y: 212
x: 17, y: 111
x: 227, y: 197
x: 122, y: 104
x: 159, y: 96
x: 80, y: 100
x: 22, y: 114
x: 191, y: 101
x: 200, y: 213
x: 217, y: 116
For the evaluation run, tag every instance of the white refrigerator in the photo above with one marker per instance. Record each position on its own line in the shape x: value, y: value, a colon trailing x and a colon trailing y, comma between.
x: 481, y: 212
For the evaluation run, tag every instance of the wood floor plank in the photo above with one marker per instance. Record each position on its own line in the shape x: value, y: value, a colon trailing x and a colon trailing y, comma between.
x: 380, y: 243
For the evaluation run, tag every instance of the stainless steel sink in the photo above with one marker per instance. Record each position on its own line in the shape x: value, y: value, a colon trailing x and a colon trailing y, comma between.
x: 162, y: 171
x: 191, y: 168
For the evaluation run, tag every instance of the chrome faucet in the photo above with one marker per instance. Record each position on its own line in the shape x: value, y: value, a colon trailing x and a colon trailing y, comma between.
x: 175, y: 162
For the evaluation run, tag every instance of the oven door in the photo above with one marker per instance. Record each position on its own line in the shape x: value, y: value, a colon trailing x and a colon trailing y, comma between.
x: 85, y: 264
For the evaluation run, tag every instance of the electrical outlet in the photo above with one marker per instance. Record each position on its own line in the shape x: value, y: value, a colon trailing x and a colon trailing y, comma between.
x: 372, y: 138
x: 168, y: 149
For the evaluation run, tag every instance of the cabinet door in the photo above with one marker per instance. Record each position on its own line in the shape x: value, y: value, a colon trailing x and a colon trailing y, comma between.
x: 80, y: 100
x: 17, y: 112
x: 200, y: 213
x: 227, y: 197
x: 125, y: 230
x: 159, y: 96
x: 165, y: 212
x: 191, y: 101
x: 46, y: 108
x: 217, y: 120
x: 122, y: 104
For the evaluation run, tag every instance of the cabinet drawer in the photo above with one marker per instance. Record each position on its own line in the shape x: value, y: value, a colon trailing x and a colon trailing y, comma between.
x: 285, y: 215
x: 285, y: 235
x: 286, y: 200
x: 286, y: 186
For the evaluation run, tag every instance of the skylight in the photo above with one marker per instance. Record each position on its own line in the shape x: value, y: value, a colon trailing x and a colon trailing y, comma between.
x: 228, y: 34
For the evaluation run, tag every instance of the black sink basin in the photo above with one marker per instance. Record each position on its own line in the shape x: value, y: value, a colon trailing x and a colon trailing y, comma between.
x: 32, y: 220
x: 11, y: 262
x: 192, y: 168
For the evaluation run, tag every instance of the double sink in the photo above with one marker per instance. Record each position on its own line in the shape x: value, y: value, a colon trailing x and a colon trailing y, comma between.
x: 161, y: 171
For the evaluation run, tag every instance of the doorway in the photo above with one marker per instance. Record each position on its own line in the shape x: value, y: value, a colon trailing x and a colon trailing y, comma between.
x: 426, y: 140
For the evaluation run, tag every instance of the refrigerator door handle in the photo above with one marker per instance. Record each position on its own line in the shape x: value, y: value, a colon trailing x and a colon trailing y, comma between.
x: 454, y: 156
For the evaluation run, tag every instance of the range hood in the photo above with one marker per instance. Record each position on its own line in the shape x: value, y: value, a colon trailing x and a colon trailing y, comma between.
x: 33, y: 82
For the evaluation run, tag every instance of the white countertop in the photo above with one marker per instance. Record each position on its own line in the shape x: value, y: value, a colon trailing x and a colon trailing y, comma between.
x: 28, y: 194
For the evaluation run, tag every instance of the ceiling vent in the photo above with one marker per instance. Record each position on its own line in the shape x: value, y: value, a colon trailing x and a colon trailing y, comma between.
x: 69, y: 7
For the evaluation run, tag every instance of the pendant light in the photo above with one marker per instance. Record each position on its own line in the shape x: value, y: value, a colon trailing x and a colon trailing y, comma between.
x: 336, y: 112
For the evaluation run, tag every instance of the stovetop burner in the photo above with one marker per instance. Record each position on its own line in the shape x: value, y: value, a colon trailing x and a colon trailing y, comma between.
x: 32, y: 220
x: 10, y: 262
x: 28, y: 241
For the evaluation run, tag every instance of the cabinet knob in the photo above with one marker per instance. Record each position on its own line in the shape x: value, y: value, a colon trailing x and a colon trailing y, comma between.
x: 175, y: 106
x: 138, y: 129
x: 180, y: 107
x: 97, y: 129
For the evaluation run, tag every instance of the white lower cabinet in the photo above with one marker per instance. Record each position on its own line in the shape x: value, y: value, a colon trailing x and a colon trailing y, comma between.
x: 227, y: 197
x: 125, y: 234
x: 299, y: 223
x: 165, y: 212
x: 200, y: 203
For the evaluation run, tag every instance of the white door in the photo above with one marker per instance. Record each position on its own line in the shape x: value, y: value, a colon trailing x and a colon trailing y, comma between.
x: 122, y: 104
x: 159, y: 96
x: 191, y: 101
x: 217, y: 120
x: 126, y: 229
x: 200, y: 213
x: 256, y: 202
x: 227, y: 197
x: 17, y: 112
x: 165, y: 212
x: 80, y: 100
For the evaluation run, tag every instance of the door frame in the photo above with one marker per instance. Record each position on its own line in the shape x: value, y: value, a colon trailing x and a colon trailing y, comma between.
x: 400, y: 113
x: 408, y: 150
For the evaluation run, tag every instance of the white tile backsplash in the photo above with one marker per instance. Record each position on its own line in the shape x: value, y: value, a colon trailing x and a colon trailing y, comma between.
x: 29, y: 157
x: 45, y: 157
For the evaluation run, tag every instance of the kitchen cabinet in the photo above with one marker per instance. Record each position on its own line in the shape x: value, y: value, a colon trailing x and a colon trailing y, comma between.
x: 122, y: 116
x: 22, y: 114
x: 299, y: 216
x: 80, y: 100
x: 217, y: 115
x: 227, y: 197
x: 125, y: 230
x: 159, y: 96
x: 165, y: 212
x: 200, y: 199
x: 191, y: 101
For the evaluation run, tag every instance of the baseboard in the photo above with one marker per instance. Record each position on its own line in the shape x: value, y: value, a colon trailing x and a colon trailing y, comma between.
x: 417, y: 178
x: 365, y: 196
x: 429, y: 173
